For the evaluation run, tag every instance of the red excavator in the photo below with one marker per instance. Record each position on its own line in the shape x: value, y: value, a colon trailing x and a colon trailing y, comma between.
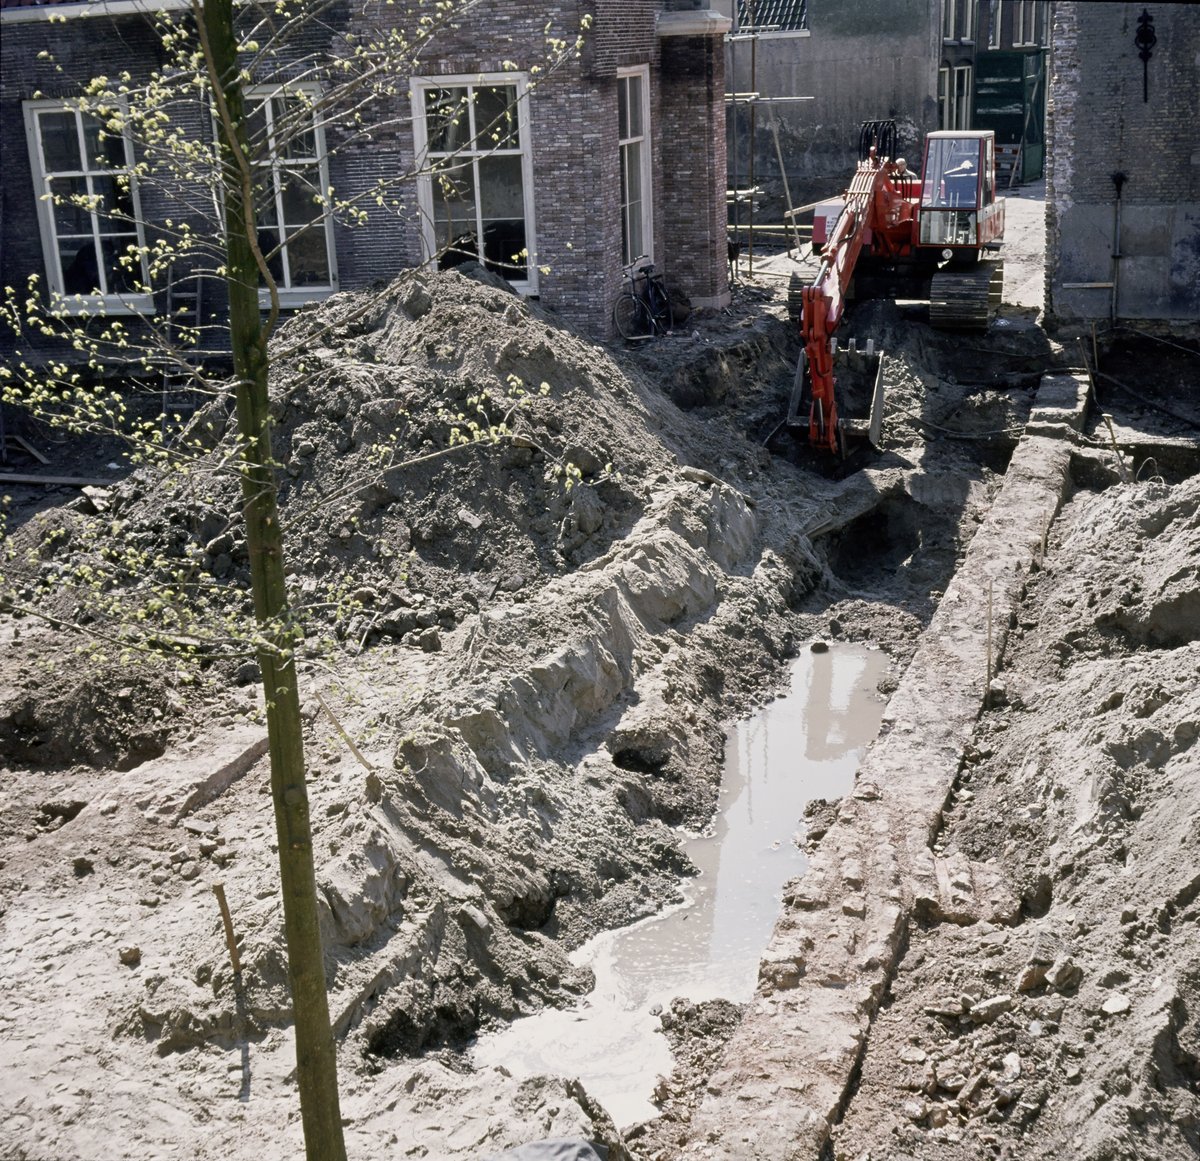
x: 935, y: 234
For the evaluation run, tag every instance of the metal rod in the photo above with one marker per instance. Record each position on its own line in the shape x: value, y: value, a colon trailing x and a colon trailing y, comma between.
x: 750, y: 170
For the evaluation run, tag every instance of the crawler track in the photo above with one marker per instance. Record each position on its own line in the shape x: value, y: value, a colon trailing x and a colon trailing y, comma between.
x: 966, y: 299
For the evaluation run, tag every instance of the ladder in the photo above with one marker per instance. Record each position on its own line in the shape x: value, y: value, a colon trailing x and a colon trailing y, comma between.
x: 182, y: 364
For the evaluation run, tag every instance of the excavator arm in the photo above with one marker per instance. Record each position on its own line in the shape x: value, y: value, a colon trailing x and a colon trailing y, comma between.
x: 872, y: 205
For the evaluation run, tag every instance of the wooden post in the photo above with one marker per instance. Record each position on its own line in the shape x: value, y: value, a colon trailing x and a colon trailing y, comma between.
x: 227, y: 920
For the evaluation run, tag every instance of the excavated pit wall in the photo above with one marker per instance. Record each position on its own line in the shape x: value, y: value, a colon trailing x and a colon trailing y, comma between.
x: 787, y: 1071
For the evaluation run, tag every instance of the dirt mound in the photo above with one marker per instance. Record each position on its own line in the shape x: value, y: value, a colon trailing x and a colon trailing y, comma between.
x: 440, y: 442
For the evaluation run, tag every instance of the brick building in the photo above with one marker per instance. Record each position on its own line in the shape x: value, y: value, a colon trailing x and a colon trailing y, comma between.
x: 1123, y: 166
x: 552, y: 179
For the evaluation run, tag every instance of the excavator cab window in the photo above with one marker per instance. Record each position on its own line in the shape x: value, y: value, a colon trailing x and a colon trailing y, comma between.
x: 953, y: 171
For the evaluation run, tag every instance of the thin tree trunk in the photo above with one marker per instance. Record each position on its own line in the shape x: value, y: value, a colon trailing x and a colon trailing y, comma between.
x: 316, y: 1058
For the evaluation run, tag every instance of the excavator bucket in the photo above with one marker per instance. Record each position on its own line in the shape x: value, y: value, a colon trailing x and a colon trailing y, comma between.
x: 859, y: 374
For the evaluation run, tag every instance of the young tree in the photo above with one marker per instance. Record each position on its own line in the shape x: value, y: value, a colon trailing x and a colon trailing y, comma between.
x: 225, y: 138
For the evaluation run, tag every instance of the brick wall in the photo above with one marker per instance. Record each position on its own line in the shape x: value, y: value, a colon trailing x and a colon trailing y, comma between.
x: 1098, y: 124
x: 692, y: 131
x: 572, y: 123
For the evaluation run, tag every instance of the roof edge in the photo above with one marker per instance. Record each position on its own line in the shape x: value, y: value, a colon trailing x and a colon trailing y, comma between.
x: 71, y: 9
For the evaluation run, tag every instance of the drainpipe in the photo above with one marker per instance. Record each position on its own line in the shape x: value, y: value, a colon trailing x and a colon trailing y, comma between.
x: 1118, y: 180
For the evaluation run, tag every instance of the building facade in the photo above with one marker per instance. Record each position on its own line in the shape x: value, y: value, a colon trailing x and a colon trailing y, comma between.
x: 841, y: 64
x: 1010, y: 84
x: 552, y: 178
x: 1122, y: 163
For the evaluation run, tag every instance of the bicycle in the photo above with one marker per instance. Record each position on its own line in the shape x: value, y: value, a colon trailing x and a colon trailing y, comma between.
x: 647, y: 307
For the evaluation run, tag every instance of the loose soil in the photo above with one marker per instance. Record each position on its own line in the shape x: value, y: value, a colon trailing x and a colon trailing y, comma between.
x: 525, y: 651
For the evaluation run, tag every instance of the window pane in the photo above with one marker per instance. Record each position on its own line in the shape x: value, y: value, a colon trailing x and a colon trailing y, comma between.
x: 295, y: 138
x: 300, y: 197
x: 504, y: 250
x: 70, y: 217
x: 256, y: 129
x: 79, y: 268
x: 113, y: 202
x: 623, y: 108
x: 502, y: 205
x: 103, y: 148
x: 632, y: 238
x: 446, y: 119
x: 264, y: 199
x: 122, y: 266
x: 308, y: 257
x: 952, y: 175
x: 60, y: 141
x: 501, y: 190
x: 454, y: 215
x: 635, y: 125
x: 496, y: 118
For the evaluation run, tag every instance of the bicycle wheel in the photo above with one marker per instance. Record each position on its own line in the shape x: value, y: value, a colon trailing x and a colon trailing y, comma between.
x: 658, y: 306
x: 630, y: 316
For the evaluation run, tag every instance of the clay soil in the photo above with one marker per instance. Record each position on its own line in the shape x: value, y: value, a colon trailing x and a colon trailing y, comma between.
x: 524, y: 654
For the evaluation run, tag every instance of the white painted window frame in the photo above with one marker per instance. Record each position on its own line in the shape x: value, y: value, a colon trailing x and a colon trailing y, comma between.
x: 956, y: 113
x: 642, y: 73
x: 417, y: 87
x: 291, y: 297
x: 960, y: 19
x: 115, y: 304
x: 1025, y: 24
x: 962, y: 102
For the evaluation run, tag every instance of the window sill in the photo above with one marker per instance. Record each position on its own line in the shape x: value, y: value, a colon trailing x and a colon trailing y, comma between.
x: 296, y: 297
x: 98, y: 304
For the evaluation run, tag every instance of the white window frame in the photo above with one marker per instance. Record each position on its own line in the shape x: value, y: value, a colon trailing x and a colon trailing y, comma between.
x: 959, y: 21
x: 1025, y: 24
x: 963, y: 100
x: 114, y: 303
x: 640, y: 73
x: 418, y: 87
x: 291, y: 296
x: 955, y: 106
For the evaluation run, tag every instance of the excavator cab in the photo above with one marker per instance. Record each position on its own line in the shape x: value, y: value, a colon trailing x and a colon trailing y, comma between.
x: 959, y: 218
x: 959, y: 210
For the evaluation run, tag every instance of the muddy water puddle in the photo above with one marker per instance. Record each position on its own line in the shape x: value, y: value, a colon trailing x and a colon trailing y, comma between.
x: 802, y: 746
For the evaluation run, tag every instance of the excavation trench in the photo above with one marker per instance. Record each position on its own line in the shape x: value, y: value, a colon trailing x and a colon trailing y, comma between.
x: 803, y: 746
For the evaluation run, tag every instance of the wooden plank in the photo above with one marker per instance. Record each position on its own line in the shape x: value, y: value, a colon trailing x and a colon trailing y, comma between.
x: 20, y: 441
